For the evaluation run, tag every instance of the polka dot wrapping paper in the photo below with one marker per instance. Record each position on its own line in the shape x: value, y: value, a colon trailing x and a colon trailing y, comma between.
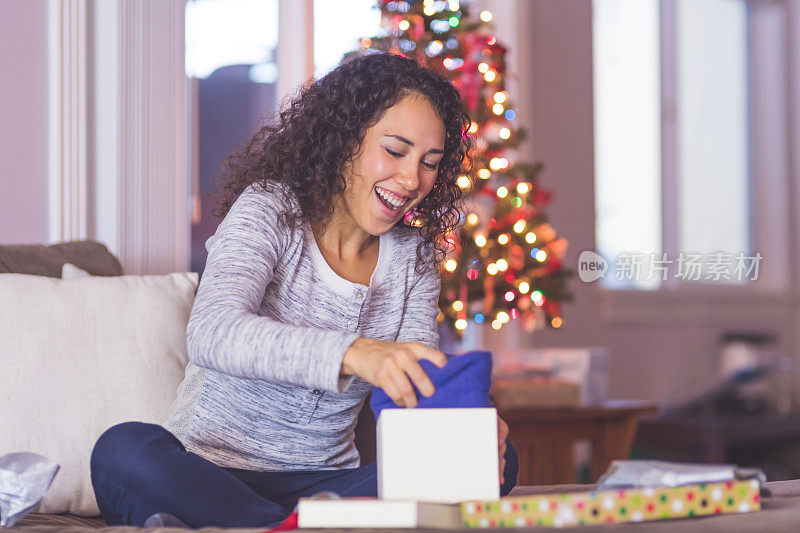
x: 614, y: 506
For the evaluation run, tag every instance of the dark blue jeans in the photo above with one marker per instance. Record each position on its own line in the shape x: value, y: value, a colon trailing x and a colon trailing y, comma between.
x: 141, y: 469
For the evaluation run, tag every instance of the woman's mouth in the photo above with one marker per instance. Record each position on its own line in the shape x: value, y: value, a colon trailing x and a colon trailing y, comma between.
x: 391, y: 201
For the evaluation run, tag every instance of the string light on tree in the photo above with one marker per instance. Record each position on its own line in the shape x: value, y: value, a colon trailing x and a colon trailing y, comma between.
x: 506, y: 262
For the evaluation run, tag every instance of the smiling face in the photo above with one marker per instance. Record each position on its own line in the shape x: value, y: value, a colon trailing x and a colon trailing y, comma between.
x: 396, y: 166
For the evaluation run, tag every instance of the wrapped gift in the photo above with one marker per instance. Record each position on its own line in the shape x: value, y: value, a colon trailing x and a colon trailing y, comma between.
x: 614, y: 506
x: 536, y: 392
x: 584, y: 367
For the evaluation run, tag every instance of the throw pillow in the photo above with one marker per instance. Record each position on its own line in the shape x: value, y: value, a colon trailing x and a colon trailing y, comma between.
x: 70, y: 271
x: 81, y: 355
x: 44, y: 260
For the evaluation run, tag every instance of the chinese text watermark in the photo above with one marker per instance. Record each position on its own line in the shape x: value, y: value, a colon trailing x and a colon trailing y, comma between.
x: 685, y: 266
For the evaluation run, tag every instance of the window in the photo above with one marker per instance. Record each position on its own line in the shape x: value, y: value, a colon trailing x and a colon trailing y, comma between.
x: 672, y: 140
x: 220, y: 33
x: 338, y: 26
x: 627, y: 93
x: 230, y: 57
x: 712, y: 125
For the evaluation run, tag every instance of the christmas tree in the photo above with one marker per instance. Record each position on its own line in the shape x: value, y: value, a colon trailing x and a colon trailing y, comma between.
x: 506, y: 262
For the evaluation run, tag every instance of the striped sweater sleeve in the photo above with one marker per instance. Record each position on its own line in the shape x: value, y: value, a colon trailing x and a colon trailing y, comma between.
x: 225, y: 332
x: 421, y: 309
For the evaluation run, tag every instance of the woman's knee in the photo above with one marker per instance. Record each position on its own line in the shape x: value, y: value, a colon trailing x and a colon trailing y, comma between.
x: 126, y: 444
x: 511, y: 470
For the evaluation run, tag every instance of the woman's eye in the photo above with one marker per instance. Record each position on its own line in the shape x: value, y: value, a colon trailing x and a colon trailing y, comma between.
x: 431, y: 166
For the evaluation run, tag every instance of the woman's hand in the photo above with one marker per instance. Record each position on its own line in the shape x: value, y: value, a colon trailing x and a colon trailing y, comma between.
x: 502, y: 435
x: 393, y: 366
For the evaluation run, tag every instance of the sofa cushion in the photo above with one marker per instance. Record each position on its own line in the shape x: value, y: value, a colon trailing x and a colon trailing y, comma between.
x: 81, y: 355
x: 43, y: 260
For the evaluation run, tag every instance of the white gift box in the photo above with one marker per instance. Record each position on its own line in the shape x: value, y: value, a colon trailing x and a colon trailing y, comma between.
x: 438, y: 455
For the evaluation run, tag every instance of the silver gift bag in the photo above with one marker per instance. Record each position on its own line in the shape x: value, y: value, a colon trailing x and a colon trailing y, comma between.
x: 24, y: 479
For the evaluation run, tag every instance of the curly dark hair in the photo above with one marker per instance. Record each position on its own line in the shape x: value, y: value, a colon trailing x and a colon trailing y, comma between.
x: 320, y: 132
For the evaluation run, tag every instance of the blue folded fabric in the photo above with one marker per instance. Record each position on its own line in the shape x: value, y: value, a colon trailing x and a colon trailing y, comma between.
x: 463, y: 382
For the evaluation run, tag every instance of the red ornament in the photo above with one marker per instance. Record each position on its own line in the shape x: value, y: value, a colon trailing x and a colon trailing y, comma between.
x: 417, y: 29
x: 553, y: 264
x: 471, y: 80
x: 542, y: 196
x: 552, y: 308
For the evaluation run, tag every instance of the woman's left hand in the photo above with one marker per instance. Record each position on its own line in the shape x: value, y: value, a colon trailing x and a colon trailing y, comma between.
x: 502, y: 435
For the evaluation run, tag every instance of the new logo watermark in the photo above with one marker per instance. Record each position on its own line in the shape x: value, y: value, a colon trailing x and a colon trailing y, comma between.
x: 686, y: 266
x: 591, y: 266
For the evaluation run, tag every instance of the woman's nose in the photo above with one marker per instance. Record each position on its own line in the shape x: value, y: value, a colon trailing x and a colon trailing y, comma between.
x: 409, y: 177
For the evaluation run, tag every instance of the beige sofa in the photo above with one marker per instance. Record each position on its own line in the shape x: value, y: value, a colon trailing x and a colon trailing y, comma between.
x: 782, y: 509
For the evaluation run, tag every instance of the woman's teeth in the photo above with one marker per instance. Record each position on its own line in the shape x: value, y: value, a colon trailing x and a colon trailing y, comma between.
x: 389, y: 199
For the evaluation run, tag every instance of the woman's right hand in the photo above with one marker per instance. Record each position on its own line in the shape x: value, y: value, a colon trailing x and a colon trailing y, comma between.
x: 393, y: 366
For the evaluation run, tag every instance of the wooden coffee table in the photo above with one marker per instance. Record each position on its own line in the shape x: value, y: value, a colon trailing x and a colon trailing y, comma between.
x: 544, y: 437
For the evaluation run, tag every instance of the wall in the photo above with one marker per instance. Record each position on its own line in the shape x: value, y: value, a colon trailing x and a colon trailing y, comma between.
x: 125, y: 181
x: 23, y: 122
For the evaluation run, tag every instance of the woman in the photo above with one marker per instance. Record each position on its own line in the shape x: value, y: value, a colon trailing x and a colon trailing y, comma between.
x: 314, y: 291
